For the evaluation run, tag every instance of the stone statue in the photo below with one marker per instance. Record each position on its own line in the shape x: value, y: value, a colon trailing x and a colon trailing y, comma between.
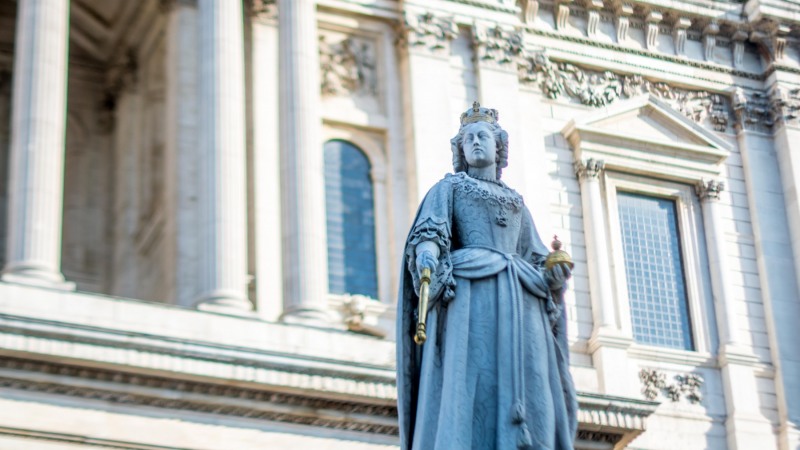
x: 494, y: 371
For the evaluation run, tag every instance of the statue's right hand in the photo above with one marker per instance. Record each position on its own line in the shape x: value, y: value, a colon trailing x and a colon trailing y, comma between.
x: 425, y: 259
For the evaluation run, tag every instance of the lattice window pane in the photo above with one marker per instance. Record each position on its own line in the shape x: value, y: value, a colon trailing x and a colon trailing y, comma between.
x: 654, y: 268
x: 350, y: 220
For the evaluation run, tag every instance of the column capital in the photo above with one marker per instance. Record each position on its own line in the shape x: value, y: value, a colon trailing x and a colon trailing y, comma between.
x: 427, y: 32
x: 785, y: 105
x: 589, y: 169
x: 751, y: 110
x: 709, y: 190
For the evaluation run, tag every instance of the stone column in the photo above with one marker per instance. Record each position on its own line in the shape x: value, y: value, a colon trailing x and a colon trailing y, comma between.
x: 182, y: 164
x: 222, y: 224
x: 266, y: 173
x: 607, y: 345
x: 303, y: 181
x: 779, y: 291
x: 38, y: 127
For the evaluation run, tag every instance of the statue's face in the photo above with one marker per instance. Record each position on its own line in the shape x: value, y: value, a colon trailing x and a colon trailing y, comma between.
x: 480, y: 148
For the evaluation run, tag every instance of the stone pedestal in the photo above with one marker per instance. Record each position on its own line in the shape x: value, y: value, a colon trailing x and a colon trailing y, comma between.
x: 38, y: 125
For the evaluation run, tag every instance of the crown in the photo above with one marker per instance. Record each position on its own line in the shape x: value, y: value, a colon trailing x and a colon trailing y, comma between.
x: 479, y: 114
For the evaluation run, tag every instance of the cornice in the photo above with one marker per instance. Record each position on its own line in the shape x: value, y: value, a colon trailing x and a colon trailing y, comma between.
x: 601, y: 418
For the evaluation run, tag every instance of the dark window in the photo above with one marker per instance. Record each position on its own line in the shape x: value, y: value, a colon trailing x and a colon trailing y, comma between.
x: 654, y: 269
x: 350, y: 216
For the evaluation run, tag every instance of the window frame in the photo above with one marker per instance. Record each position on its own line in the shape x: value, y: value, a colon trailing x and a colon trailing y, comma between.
x: 693, y: 257
x: 372, y: 147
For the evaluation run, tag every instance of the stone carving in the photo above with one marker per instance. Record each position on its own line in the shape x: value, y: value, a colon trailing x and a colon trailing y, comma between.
x: 347, y: 67
x: 264, y: 9
x: 498, y: 44
x: 597, y: 89
x: 427, y: 31
x: 589, y: 169
x: 685, y: 386
x: 473, y: 246
x: 753, y: 111
x: 785, y: 106
x: 709, y: 189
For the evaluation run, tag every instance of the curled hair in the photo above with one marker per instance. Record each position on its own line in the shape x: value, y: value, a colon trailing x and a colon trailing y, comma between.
x: 500, y: 139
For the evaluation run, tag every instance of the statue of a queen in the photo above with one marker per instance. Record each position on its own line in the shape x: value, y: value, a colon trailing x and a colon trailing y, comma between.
x: 494, y: 371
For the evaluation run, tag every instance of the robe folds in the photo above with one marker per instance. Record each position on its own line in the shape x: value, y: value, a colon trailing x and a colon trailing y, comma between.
x: 494, y: 372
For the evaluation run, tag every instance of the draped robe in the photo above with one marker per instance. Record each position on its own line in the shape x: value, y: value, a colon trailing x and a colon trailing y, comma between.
x: 494, y: 372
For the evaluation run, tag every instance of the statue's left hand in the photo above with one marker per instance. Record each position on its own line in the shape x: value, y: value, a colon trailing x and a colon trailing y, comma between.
x: 558, y: 275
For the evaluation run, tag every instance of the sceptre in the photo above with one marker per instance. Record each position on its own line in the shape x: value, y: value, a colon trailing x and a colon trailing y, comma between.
x: 424, y: 284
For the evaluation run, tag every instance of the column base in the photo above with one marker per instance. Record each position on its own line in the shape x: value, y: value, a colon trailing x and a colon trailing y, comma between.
x: 311, y: 317
x: 225, y: 304
x: 36, y: 277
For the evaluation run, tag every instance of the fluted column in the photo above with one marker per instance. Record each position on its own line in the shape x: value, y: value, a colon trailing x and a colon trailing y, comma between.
x: 223, y: 203
x: 303, y: 189
x: 39, y: 113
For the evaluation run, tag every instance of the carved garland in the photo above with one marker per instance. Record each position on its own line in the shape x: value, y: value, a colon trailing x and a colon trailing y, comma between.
x: 686, y: 386
x: 598, y: 89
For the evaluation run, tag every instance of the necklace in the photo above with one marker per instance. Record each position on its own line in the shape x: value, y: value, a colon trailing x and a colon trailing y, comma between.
x: 489, y: 180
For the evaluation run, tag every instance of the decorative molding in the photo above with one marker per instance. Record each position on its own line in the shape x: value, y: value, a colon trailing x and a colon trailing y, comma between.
x: 136, y: 389
x: 597, y: 436
x: 652, y: 20
x: 529, y: 10
x: 709, y: 189
x: 679, y: 34
x: 347, y: 67
x: 428, y: 32
x: 589, y: 169
x: 561, y: 11
x: 497, y: 44
x: 710, y: 40
x: 688, y: 386
x: 622, y: 22
x: 598, y: 89
x: 594, y: 7
x: 712, y: 67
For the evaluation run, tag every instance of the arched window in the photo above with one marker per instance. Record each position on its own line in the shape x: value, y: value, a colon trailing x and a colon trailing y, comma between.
x: 350, y: 214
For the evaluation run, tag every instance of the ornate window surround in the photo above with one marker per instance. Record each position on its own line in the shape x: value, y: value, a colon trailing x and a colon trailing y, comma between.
x: 373, y: 148
x: 668, y: 167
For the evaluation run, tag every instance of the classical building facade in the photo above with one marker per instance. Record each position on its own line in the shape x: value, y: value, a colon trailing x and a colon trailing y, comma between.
x: 203, y: 208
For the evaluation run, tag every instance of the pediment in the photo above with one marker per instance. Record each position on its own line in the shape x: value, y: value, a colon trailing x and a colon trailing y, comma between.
x: 646, y: 135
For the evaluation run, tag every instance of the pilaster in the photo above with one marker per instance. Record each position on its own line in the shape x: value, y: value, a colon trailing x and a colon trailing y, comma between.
x: 38, y: 124
x: 223, y: 215
x: 776, y: 263
x: 302, y: 166
x: 424, y: 53
x: 785, y: 107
